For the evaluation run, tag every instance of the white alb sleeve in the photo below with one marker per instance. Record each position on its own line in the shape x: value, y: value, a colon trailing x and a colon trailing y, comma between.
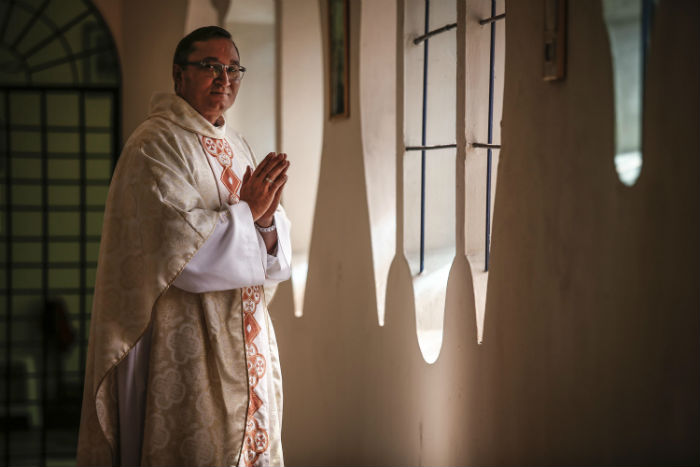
x: 233, y: 256
x: 279, y: 266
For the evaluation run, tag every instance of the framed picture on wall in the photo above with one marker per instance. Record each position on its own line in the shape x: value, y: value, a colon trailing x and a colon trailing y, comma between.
x: 338, y: 60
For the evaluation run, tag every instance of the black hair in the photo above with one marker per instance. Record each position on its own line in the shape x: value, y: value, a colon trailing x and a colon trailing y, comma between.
x: 186, y: 45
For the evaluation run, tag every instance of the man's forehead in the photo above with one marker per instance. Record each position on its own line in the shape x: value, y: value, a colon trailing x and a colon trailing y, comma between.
x: 218, y: 49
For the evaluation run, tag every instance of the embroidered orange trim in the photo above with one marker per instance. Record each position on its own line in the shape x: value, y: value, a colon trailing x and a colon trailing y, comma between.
x: 257, y: 440
x: 222, y: 152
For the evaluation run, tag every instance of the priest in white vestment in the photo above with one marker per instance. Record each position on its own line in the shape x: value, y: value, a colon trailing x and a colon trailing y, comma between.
x: 182, y: 365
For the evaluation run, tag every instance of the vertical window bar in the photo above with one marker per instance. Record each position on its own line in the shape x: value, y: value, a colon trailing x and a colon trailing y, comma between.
x: 83, y: 231
x: 8, y: 276
x: 423, y: 139
x: 490, y: 138
x: 44, y: 274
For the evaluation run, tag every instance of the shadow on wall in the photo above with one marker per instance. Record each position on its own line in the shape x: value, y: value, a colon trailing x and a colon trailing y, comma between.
x: 590, y: 351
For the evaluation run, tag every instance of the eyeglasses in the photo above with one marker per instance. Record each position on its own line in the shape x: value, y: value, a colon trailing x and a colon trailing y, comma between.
x: 234, y: 72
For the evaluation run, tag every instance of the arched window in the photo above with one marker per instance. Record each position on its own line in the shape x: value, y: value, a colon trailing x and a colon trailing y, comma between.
x: 453, y: 92
x: 59, y: 137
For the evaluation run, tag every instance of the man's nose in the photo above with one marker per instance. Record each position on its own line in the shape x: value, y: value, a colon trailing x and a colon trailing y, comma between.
x: 224, y: 77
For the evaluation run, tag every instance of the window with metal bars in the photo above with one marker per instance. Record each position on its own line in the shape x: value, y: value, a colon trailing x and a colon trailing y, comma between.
x: 437, y: 123
x: 430, y: 185
x: 59, y: 136
x: 430, y: 112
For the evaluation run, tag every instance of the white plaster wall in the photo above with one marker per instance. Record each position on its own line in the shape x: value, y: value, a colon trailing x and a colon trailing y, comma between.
x: 253, y: 114
x: 146, y: 53
x: 476, y: 110
x: 301, y: 116
x: 378, y: 115
x: 200, y: 13
x: 591, y: 336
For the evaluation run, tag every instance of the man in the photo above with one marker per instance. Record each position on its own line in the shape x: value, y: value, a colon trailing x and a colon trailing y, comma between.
x: 182, y: 365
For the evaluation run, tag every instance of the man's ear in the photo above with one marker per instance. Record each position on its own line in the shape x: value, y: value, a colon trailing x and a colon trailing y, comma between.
x: 177, y: 77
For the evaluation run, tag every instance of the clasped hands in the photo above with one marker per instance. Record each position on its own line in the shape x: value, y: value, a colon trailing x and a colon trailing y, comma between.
x: 262, y: 188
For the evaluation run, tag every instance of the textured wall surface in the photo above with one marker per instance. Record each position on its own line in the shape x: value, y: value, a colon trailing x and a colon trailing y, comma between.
x: 590, y: 350
x: 591, y: 331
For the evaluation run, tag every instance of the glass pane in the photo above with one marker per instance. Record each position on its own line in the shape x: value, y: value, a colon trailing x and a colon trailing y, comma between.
x: 26, y: 278
x: 14, y: 72
x: 64, y: 223
x: 58, y: 74
x: 26, y: 306
x: 99, y: 169
x: 92, y: 250
x: 26, y: 223
x: 64, y: 252
x: 90, y: 274
x: 64, y: 278
x: 100, y: 143
x: 26, y: 330
x: 76, y: 325
x: 94, y: 223
x: 62, y: 109
x: 71, y: 303
x: 64, y: 169
x: 37, y: 33
x: 64, y: 11
x: 98, y: 110
x: 20, y: 17
x: 27, y: 391
x: 71, y: 357
x: 26, y: 168
x: 24, y: 252
x: 64, y: 195
x: 25, y: 108
x: 97, y: 195
x: 63, y: 143
x: 54, y: 50
x: 26, y: 195
x: 24, y: 141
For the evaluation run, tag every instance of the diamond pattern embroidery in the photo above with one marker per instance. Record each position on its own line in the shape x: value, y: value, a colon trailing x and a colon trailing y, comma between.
x: 256, y: 440
x: 222, y: 152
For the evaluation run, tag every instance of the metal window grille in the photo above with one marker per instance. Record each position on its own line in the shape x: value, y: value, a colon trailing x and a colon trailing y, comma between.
x: 59, y: 137
x: 489, y: 145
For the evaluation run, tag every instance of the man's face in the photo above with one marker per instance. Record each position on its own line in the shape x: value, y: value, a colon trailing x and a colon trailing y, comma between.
x: 209, y: 96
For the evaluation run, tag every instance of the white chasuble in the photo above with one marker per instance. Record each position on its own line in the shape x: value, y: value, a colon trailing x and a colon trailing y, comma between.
x: 183, y: 367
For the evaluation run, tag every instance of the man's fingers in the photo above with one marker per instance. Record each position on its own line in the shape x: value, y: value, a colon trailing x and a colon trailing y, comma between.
x: 246, y: 175
x: 278, y: 186
x: 279, y: 183
x: 270, y: 169
x: 276, y: 173
x: 263, y: 166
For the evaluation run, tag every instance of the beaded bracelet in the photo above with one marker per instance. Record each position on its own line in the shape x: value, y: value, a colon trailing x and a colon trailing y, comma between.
x: 266, y: 229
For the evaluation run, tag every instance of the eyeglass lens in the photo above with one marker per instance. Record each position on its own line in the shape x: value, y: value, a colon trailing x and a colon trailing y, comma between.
x: 234, y: 73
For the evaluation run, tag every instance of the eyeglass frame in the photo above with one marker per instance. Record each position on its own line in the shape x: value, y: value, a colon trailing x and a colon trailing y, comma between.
x: 218, y: 68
